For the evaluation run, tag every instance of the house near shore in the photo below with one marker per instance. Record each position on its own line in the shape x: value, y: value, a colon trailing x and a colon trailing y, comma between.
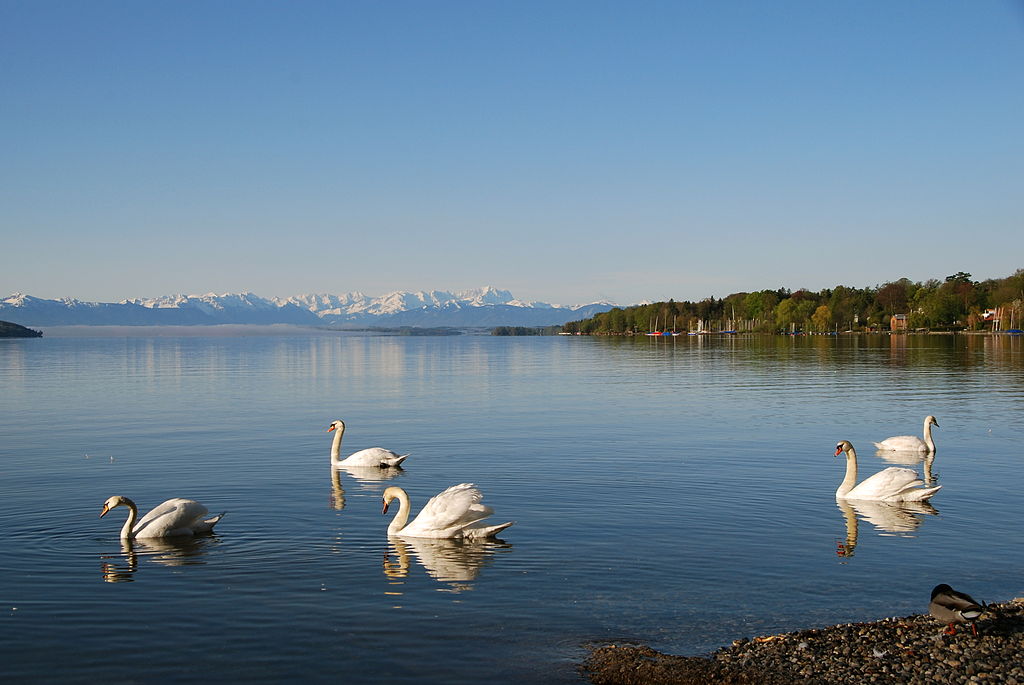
x: 995, y: 317
x: 898, y: 323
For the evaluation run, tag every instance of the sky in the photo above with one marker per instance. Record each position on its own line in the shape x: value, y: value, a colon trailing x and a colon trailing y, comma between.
x: 569, y: 151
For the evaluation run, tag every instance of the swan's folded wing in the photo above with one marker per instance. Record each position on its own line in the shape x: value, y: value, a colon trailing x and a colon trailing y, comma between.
x: 458, y: 505
x: 371, y: 456
x: 902, y: 442
x: 170, y: 515
x: 887, y: 482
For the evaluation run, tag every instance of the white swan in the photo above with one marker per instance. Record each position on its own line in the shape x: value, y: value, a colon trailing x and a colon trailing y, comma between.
x: 454, y: 513
x: 893, y: 484
x: 170, y: 519
x: 911, y: 443
x: 373, y: 456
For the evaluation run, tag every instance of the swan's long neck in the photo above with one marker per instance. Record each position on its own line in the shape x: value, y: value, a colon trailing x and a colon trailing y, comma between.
x: 851, y: 474
x: 129, y: 524
x: 928, y: 435
x: 402, y: 517
x: 336, y: 445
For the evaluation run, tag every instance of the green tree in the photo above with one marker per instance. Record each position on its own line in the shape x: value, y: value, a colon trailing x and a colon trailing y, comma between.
x: 821, y: 320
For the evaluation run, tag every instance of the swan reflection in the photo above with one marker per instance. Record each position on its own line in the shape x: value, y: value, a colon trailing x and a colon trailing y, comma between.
x: 908, y: 458
x: 455, y: 562
x: 121, y: 568
x: 365, y: 476
x: 899, y: 518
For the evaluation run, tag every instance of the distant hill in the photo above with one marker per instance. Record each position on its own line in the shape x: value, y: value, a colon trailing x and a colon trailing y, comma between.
x: 13, y: 330
x: 482, y: 307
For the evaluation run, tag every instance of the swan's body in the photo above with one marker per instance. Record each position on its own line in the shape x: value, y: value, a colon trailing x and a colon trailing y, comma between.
x: 373, y: 456
x: 173, y: 518
x: 454, y: 513
x: 911, y: 443
x: 893, y: 484
x: 950, y: 606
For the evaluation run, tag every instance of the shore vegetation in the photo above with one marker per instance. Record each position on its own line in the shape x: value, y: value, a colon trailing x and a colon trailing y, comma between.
x: 956, y: 303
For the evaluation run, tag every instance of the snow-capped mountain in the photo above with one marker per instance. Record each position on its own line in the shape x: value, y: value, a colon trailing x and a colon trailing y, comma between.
x: 478, y: 307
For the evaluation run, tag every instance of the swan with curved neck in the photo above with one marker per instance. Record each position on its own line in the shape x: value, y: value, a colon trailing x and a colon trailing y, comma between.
x: 893, y: 484
x: 173, y: 518
x: 453, y: 513
x: 911, y: 443
x: 373, y: 456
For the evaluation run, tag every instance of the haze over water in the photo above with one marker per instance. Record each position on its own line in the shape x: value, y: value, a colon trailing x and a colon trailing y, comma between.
x: 677, y: 492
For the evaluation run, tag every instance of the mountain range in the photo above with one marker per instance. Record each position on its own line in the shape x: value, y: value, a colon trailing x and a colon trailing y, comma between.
x: 481, y: 307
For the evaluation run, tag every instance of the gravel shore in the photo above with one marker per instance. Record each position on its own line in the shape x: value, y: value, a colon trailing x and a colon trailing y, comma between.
x: 912, y: 649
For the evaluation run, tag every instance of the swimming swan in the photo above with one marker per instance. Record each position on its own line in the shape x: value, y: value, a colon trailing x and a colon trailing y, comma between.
x: 373, y: 456
x: 172, y: 518
x: 454, y: 513
x: 893, y: 484
x: 911, y: 443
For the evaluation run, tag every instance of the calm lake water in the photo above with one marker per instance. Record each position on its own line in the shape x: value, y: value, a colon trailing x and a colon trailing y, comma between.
x: 679, y: 492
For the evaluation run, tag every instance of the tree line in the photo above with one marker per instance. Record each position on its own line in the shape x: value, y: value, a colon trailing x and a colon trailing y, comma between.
x: 956, y: 303
x: 526, y: 330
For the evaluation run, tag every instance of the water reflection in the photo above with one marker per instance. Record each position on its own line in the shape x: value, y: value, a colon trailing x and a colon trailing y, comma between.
x: 366, y: 477
x: 455, y: 562
x: 182, y: 551
x: 911, y: 459
x: 898, y: 518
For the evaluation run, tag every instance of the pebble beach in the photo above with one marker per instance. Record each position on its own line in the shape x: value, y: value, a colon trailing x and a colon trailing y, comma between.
x: 909, y: 649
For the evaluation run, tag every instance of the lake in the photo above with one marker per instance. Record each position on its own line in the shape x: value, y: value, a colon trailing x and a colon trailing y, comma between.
x: 679, y: 492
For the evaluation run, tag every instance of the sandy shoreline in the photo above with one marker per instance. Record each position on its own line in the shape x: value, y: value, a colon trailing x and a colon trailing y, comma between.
x: 911, y: 649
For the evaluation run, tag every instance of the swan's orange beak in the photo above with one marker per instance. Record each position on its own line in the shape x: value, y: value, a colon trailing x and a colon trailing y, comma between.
x: 105, y: 510
x: 839, y: 450
x: 331, y: 428
x: 385, y: 509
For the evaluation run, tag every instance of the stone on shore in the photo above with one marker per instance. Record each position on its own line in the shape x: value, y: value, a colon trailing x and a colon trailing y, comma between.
x: 912, y: 650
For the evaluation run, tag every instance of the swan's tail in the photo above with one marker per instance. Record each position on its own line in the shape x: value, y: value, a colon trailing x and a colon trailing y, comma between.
x: 208, y: 524
x: 395, y: 461
x: 921, y: 494
x: 480, y: 531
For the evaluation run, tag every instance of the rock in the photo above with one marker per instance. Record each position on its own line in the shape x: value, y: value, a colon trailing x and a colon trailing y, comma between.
x: 911, y: 649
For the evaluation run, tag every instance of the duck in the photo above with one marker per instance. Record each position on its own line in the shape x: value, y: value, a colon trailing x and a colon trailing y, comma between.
x: 176, y: 517
x: 911, y: 443
x: 893, y: 484
x: 455, y: 513
x: 372, y: 456
x: 952, y: 607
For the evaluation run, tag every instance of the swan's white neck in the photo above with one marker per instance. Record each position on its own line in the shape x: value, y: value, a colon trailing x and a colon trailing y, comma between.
x: 129, y: 524
x: 402, y: 517
x: 336, y: 445
x: 851, y: 473
x: 928, y: 435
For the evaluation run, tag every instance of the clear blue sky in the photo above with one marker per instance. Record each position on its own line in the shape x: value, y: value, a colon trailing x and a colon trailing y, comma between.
x: 568, y: 151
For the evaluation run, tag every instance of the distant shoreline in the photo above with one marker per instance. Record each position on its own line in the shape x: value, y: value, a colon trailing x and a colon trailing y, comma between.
x: 239, y: 330
x: 242, y: 330
x: 9, y: 329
